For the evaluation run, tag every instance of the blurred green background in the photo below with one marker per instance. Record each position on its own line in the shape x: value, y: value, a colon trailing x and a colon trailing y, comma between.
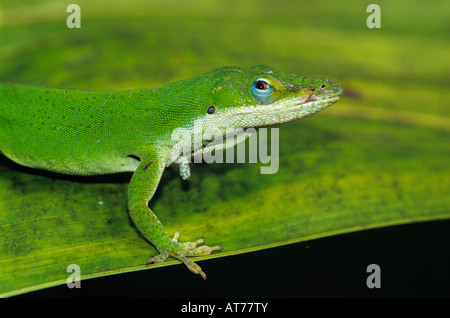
x: 378, y: 157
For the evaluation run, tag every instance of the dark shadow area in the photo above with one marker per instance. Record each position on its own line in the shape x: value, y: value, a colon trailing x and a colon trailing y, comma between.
x: 106, y: 178
x: 413, y: 259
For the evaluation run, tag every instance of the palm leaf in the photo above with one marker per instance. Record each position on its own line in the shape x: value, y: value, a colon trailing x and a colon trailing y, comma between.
x: 376, y: 158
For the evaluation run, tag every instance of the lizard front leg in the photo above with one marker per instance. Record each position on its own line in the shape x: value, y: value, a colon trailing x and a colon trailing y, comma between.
x: 143, y: 185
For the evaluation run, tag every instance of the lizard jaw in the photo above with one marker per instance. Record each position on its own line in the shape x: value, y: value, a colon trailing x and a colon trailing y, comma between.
x: 280, y: 112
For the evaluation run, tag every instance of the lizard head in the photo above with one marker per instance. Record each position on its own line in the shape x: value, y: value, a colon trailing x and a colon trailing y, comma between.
x: 232, y: 99
x: 262, y: 96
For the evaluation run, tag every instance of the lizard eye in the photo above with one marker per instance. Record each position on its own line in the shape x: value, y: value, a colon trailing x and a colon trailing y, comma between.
x: 262, y: 91
x: 261, y: 85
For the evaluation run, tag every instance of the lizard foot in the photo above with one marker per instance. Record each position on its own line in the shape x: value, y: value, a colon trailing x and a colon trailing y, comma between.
x: 182, y: 251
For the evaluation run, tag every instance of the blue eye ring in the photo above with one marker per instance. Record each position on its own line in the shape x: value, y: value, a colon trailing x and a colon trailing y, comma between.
x: 262, y: 91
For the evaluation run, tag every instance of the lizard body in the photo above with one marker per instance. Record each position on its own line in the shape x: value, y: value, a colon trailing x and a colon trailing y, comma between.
x: 82, y: 132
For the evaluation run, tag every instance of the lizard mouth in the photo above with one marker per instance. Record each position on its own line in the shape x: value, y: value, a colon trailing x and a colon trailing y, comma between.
x: 307, y: 107
x: 309, y: 104
x: 313, y: 101
x: 308, y: 99
x: 282, y: 111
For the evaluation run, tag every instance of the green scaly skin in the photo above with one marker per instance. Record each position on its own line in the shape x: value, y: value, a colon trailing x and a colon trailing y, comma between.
x: 90, y: 133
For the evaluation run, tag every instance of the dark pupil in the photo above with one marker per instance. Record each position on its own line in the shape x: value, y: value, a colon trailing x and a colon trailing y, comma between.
x: 261, y: 85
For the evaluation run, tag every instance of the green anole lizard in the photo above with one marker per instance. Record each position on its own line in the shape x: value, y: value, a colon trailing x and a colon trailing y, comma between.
x: 82, y: 132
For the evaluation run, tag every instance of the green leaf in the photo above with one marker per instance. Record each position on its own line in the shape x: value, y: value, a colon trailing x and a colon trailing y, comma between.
x: 379, y: 157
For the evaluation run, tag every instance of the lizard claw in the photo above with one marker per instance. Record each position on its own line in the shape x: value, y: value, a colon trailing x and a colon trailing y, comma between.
x: 182, y: 251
